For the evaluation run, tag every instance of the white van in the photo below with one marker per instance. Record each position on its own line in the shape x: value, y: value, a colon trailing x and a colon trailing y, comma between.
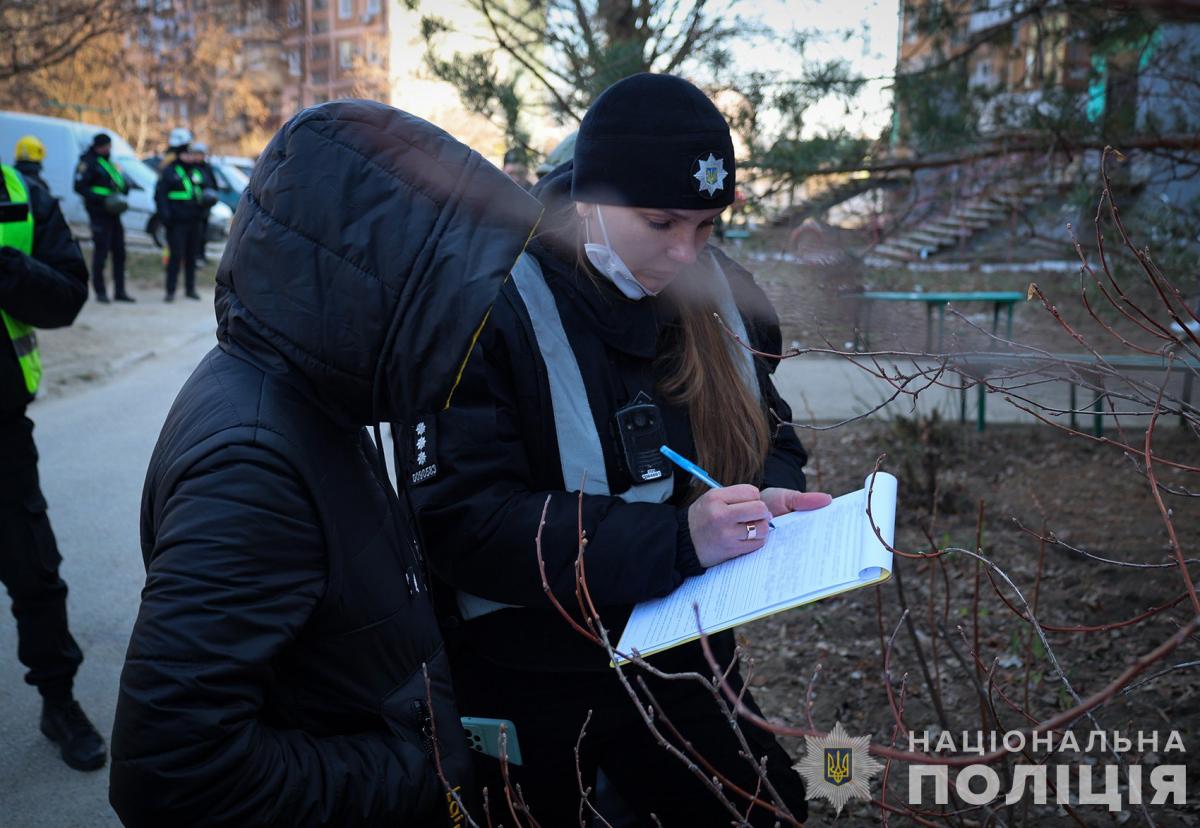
x: 65, y: 141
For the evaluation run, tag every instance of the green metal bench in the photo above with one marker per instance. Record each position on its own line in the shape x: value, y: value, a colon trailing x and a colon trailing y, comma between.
x: 1001, y: 300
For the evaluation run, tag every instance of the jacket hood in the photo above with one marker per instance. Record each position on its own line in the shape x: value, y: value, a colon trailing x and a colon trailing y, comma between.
x: 364, y: 258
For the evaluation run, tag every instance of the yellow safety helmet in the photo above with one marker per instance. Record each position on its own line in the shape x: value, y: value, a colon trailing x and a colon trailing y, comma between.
x: 30, y: 148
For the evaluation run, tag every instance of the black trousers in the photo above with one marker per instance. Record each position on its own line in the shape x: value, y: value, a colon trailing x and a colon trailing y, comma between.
x: 29, y: 562
x: 108, y: 234
x: 201, y: 235
x: 184, y: 240
x: 548, y: 710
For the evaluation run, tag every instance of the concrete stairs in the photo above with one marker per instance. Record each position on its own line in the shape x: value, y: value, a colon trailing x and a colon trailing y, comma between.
x: 988, y: 209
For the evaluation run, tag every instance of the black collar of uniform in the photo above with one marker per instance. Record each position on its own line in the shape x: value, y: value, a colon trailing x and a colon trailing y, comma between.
x: 631, y: 327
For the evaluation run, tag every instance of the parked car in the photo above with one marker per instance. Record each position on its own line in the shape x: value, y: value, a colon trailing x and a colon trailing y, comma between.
x: 65, y: 141
x: 241, y: 163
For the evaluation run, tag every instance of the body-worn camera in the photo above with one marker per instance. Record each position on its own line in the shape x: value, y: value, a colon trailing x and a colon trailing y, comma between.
x: 640, y: 431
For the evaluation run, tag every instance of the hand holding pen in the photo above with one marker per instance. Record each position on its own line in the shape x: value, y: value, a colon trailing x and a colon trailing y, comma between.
x: 732, y: 520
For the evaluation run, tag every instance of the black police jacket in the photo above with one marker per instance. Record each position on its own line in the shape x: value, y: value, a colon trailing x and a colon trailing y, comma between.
x: 276, y: 672
x: 45, y: 289
x: 89, y: 174
x: 170, y: 191
x: 497, y: 460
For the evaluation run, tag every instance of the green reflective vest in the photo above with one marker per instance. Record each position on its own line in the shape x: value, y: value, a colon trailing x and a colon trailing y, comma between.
x: 188, y: 193
x: 19, y: 234
x: 115, y: 175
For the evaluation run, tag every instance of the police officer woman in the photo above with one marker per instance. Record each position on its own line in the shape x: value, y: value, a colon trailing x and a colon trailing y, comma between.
x: 607, y: 329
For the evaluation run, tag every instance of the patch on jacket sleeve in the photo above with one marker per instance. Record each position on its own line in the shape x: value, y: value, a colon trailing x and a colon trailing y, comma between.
x: 423, y: 451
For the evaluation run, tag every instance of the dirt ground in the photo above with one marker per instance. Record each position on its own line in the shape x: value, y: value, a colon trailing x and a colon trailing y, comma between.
x: 1090, y: 495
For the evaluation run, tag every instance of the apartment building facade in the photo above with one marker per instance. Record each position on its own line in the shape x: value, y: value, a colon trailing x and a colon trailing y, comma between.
x: 334, y: 49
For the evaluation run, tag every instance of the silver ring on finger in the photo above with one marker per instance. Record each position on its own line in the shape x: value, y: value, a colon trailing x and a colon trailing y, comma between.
x: 751, y: 532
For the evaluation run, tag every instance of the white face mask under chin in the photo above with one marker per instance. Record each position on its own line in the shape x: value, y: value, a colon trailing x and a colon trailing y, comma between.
x: 606, y: 260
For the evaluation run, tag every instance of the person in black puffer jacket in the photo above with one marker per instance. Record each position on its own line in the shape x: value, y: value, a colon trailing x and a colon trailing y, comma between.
x: 276, y: 673
x: 579, y: 347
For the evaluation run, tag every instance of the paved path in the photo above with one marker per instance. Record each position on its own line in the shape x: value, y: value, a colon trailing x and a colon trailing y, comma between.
x: 830, y: 389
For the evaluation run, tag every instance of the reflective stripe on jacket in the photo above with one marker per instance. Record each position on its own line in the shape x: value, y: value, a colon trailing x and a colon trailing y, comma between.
x: 188, y: 193
x: 114, y: 174
x: 19, y: 235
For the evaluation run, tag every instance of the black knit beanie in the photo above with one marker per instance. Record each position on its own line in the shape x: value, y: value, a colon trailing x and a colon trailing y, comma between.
x: 654, y: 141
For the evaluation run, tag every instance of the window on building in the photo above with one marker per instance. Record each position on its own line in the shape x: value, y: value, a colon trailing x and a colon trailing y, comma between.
x: 373, y: 7
x: 320, y: 77
x: 320, y: 52
x: 320, y: 26
x: 320, y: 5
x: 293, y: 14
x: 983, y: 74
x: 346, y: 53
x: 345, y: 9
x: 293, y: 59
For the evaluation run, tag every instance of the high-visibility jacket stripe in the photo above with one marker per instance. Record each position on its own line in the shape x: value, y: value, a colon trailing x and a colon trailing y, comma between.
x: 19, y: 235
x: 188, y: 193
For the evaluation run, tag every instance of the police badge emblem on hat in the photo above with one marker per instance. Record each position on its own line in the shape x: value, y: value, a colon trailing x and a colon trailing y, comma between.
x: 709, y: 174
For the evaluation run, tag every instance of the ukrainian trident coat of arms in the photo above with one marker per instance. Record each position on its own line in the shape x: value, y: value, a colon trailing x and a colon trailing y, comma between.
x: 710, y: 174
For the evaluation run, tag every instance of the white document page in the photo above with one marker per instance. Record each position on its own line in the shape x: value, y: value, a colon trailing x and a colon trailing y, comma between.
x: 808, y: 555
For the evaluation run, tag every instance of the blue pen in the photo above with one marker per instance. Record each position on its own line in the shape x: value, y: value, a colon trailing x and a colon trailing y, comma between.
x: 697, y: 472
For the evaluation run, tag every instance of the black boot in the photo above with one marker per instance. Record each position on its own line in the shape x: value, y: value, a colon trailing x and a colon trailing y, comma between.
x: 124, y: 297
x: 66, y: 724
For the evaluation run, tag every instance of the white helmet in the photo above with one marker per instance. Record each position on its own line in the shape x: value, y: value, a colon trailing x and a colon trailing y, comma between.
x: 180, y: 137
x: 197, y: 146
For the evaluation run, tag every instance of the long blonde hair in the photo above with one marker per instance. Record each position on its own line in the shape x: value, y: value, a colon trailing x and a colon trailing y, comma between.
x: 699, y: 372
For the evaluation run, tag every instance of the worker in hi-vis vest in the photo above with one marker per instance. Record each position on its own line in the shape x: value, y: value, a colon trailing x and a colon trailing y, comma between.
x: 43, y: 284
x: 178, y: 199
x: 104, y: 186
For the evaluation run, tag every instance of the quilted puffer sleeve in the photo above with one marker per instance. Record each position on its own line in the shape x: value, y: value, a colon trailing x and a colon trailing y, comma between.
x: 237, y: 568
